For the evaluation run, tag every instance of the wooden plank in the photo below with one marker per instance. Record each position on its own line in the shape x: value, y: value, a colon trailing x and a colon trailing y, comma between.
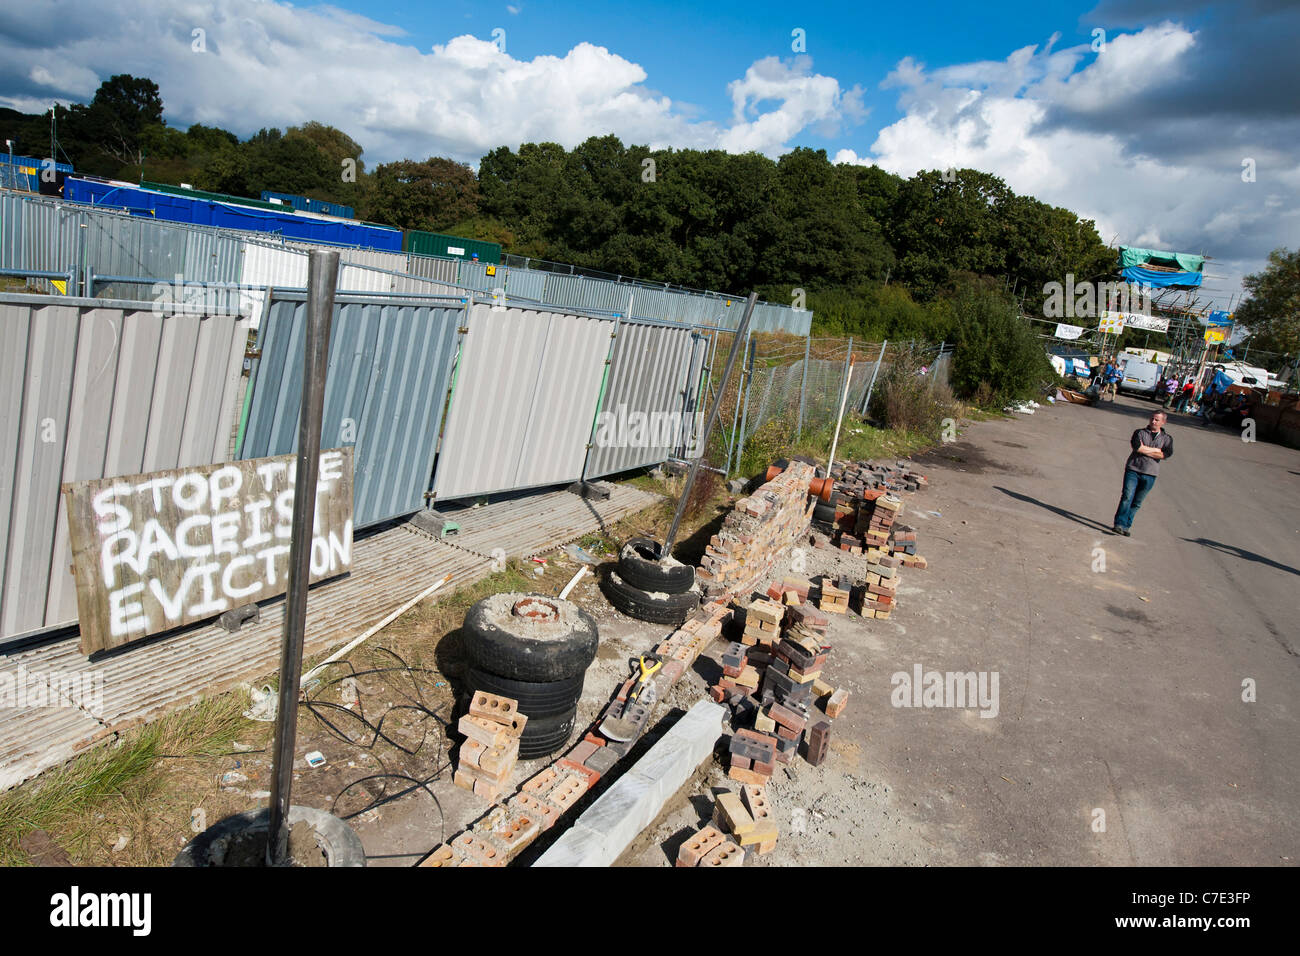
x: 157, y: 551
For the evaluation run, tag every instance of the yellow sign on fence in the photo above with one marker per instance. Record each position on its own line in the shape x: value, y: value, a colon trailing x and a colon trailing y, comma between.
x: 1217, y: 334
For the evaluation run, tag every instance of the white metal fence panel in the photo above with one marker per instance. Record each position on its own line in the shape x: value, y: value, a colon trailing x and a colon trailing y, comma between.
x: 94, y: 388
x: 524, y: 400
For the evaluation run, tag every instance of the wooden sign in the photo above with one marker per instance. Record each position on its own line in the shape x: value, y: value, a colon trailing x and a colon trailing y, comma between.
x: 153, y: 552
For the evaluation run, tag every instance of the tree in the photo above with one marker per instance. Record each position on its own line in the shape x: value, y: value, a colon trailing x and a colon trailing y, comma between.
x: 115, y: 122
x: 1272, y: 313
x: 432, y: 195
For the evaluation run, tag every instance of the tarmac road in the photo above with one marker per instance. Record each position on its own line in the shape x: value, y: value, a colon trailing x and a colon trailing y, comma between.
x: 1122, y: 662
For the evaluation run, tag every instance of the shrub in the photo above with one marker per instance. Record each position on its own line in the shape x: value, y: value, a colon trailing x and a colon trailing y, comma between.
x: 906, y: 399
x: 999, y: 358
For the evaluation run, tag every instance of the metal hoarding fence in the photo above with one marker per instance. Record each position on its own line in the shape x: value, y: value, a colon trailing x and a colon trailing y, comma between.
x: 649, y: 403
x: 524, y: 400
x: 97, y: 388
x: 389, y: 368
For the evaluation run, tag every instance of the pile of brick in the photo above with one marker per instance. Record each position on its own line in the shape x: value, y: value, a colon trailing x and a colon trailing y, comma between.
x: 487, y: 757
x: 538, y: 805
x: 738, y: 822
x: 772, y: 686
x: 853, y: 478
x: 756, y: 532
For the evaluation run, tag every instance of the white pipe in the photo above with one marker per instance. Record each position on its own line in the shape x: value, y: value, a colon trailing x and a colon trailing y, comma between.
x: 370, y: 632
x: 573, y: 582
x: 843, y: 399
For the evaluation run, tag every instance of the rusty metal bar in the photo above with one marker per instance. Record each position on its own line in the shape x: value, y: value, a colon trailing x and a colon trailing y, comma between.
x: 322, y: 279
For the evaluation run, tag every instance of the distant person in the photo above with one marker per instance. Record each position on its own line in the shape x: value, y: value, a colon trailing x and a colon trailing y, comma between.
x: 1171, y: 390
x: 1112, y: 379
x: 1188, y: 393
x: 1151, y: 445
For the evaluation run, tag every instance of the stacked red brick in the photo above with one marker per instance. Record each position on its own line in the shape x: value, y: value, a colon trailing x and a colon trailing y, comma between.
x: 756, y: 532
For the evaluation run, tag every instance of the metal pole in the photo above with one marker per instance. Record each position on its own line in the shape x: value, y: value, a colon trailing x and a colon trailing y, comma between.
x: 735, y: 415
x: 322, y: 278
x: 848, y: 364
x: 843, y: 399
x: 744, y: 415
x: 708, y: 426
x: 803, y: 384
x: 934, y: 372
x: 866, y: 404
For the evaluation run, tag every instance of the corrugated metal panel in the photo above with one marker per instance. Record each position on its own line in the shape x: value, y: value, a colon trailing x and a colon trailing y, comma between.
x: 212, y: 257
x: 526, y: 284
x: 648, y: 376
x: 371, y: 258
x: 524, y: 401
x: 389, y: 368
x: 270, y: 266
x: 430, y: 267
x: 92, y: 389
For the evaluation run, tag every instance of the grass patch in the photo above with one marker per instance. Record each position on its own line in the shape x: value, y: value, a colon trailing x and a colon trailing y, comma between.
x: 117, y: 789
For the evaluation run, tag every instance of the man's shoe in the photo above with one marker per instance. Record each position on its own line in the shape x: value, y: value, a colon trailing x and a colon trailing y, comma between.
x: 1125, y: 532
x: 1116, y: 529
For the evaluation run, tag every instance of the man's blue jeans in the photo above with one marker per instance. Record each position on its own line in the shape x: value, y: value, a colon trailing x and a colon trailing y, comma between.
x: 1136, y: 486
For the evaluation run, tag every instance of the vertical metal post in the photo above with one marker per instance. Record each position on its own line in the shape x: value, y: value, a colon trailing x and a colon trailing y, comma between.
x: 322, y: 277
x: 743, y: 330
x: 866, y: 403
x: 735, y: 415
x: 848, y: 365
x: 843, y: 400
x: 744, y: 416
x: 803, y: 383
x: 934, y: 372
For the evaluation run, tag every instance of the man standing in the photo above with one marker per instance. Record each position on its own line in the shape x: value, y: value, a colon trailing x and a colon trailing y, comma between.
x: 1151, y: 445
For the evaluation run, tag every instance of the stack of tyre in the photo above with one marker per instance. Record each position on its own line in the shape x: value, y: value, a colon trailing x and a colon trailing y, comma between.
x: 649, y: 589
x: 535, y: 650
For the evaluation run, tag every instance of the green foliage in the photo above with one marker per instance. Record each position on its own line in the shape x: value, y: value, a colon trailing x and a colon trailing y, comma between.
x: 431, y: 195
x: 999, y: 357
x: 906, y: 398
x: 1272, y: 313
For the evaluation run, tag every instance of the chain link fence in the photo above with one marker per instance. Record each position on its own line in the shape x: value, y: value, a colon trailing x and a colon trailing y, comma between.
x: 795, y: 386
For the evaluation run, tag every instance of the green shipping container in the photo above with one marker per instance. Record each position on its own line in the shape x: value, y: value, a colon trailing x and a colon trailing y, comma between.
x: 450, y: 247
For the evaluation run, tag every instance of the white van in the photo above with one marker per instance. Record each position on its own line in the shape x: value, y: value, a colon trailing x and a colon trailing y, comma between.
x: 1139, y: 376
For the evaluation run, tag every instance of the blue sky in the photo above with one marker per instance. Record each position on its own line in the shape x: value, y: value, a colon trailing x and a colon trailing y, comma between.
x: 1179, y: 134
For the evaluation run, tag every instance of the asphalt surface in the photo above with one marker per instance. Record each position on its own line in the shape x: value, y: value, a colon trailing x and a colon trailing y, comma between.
x: 1122, y: 662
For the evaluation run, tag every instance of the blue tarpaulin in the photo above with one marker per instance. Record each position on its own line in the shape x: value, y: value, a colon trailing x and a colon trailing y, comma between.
x: 157, y: 205
x: 1160, y: 280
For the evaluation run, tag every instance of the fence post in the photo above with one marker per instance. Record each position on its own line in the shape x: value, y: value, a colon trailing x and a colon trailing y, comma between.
x: 322, y: 278
x: 934, y: 372
x: 749, y: 384
x: 866, y: 402
x: 735, y: 414
x: 803, y: 384
x: 848, y: 365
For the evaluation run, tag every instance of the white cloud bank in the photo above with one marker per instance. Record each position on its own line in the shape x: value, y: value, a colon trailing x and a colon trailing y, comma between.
x: 1062, y: 126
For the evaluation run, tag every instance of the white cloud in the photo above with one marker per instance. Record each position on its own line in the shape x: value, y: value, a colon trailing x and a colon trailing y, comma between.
x: 273, y: 64
x: 1055, y: 125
